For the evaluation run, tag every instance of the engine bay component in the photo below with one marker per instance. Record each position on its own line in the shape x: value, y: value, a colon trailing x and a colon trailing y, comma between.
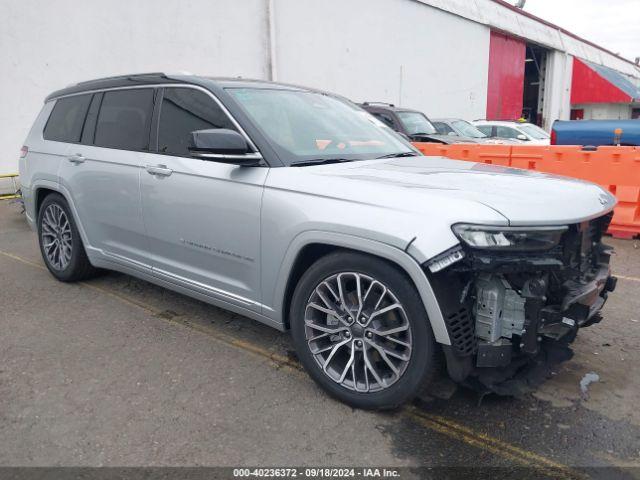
x: 517, y: 298
x: 499, y: 310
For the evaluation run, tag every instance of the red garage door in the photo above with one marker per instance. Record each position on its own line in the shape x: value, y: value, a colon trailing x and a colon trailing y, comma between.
x: 506, y: 77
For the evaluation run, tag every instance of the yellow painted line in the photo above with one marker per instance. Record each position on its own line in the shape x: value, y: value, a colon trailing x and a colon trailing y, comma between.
x: 494, y: 445
x: 631, y: 279
x: 219, y: 336
x: 23, y: 260
x: 435, y: 423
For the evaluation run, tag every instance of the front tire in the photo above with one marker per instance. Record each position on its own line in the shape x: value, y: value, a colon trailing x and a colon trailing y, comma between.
x: 361, y: 331
x: 60, y: 243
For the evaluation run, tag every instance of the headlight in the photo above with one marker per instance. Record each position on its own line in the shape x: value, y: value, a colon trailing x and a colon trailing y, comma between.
x: 509, y: 238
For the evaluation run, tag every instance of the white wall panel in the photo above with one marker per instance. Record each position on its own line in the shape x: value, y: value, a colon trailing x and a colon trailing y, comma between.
x: 47, y: 45
x: 498, y: 16
x: 394, y: 51
x: 605, y: 111
x: 557, y: 97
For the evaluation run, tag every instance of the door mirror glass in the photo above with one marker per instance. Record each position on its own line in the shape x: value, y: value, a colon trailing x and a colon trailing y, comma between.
x: 522, y: 137
x: 222, y: 145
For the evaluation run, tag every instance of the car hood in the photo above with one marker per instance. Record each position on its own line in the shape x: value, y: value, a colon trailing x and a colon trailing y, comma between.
x: 522, y: 196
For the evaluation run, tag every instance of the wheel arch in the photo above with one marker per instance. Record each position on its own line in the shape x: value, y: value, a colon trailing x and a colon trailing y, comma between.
x: 309, y: 246
x: 42, y: 190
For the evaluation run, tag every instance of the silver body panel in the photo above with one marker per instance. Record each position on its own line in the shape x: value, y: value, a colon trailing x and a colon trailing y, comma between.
x: 230, y: 235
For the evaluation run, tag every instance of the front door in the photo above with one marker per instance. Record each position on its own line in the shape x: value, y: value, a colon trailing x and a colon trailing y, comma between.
x: 202, y: 217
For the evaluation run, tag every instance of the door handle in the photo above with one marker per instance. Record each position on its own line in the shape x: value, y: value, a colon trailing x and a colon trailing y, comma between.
x: 159, y: 170
x: 77, y: 158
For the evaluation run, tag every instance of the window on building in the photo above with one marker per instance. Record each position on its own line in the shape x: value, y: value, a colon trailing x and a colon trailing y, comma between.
x: 67, y: 118
x: 185, y: 110
x: 124, y: 119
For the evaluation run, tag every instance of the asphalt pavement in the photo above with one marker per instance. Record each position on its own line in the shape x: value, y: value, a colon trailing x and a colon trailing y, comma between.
x: 118, y: 372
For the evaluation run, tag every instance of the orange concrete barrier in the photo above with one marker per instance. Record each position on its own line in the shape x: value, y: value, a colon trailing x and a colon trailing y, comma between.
x: 617, y: 169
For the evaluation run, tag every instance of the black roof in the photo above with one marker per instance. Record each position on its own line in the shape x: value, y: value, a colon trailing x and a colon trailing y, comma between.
x: 155, y: 78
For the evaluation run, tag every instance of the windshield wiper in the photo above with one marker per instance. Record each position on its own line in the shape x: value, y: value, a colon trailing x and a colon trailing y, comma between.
x: 319, y: 161
x: 398, y: 155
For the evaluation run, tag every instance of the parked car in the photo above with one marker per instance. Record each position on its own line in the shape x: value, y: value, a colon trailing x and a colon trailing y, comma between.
x: 462, y: 128
x: 413, y: 124
x: 296, y: 208
x: 595, y: 132
x: 527, y: 133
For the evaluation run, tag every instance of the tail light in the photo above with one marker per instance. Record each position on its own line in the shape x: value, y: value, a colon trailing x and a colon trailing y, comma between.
x: 23, y: 151
x: 554, y: 137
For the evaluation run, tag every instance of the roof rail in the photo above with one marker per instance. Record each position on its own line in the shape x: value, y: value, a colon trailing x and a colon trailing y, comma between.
x: 379, y: 103
x: 129, y: 77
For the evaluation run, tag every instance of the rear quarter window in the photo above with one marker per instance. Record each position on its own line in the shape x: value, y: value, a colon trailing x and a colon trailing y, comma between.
x: 67, y: 118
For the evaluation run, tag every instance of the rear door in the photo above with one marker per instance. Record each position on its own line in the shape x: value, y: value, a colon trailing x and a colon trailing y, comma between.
x: 101, y: 174
x: 202, y: 217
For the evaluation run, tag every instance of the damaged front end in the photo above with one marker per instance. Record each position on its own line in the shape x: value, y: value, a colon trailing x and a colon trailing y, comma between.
x: 514, y: 298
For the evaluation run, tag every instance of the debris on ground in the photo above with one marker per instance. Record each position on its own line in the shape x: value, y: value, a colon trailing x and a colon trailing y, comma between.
x: 587, y: 380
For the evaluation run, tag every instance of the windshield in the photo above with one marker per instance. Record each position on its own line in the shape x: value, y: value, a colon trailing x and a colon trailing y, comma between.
x: 534, y: 131
x: 465, y: 129
x: 416, y: 123
x: 312, y: 126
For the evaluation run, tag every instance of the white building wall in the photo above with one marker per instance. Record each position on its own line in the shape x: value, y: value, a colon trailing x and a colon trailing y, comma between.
x: 605, y: 111
x: 426, y: 54
x: 47, y: 45
x: 395, y: 51
x: 494, y: 15
x: 557, y: 95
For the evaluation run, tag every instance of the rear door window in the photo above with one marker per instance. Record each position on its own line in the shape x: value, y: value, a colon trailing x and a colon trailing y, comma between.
x: 67, y: 118
x: 185, y: 110
x: 125, y: 118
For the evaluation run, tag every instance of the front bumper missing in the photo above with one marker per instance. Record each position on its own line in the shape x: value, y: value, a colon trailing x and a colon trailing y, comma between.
x: 545, y: 299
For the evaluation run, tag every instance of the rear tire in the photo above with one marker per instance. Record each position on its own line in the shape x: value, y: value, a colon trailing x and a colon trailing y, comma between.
x: 346, y: 346
x: 60, y: 242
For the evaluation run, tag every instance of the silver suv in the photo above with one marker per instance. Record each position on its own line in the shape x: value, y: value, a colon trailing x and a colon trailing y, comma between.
x: 298, y: 209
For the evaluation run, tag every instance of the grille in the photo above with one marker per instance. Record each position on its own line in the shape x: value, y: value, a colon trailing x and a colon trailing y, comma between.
x: 461, y: 331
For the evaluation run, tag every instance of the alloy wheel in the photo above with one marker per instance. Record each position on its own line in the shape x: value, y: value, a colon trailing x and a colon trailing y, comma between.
x: 358, y: 332
x: 56, y: 237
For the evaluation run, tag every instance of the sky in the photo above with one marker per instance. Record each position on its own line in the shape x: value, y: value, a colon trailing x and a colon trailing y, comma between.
x: 612, y: 24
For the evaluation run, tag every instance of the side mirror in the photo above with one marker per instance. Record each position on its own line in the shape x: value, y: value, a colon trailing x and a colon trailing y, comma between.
x: 522, y: 137
x: 222, y: 145
x: 453, y: 134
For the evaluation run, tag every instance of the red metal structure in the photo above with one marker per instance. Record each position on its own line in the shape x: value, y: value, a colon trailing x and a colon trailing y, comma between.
x: 588, y: 86
x: 506, y: 77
